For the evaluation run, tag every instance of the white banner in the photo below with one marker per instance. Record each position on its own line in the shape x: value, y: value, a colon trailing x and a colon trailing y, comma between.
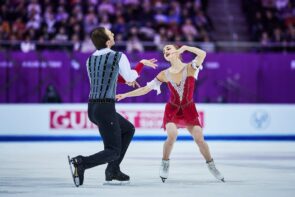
x: 72, y: 119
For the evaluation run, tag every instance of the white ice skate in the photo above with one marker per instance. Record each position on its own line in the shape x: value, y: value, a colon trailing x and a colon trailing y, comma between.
x: 164, y: 170
x: 212, y: 168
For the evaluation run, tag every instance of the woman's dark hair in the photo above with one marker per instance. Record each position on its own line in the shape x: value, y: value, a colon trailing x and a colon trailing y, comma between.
x: 99, y: 37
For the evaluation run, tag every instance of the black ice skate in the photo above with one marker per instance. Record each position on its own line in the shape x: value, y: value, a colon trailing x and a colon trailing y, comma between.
x: 116, y: 178
x: 78, y: 172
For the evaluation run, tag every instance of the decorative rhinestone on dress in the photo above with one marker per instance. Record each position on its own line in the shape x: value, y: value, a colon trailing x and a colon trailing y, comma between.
x: 179, y: 88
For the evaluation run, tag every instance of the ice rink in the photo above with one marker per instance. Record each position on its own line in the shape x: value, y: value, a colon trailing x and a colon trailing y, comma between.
x: 250, y: 169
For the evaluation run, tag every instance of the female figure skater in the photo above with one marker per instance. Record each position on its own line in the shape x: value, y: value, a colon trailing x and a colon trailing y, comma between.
x: 180, y: 110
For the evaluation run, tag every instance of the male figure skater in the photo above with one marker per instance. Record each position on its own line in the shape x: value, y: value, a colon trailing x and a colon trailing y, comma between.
x: 104, y: 67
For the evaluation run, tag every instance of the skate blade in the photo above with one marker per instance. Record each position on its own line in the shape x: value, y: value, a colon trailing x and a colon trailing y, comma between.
x: 163, y: 179
x: 115, y: 182
x: 75, y: 178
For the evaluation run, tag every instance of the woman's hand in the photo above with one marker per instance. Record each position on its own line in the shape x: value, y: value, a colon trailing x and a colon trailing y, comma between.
x: 150, y: 63
x: 120, y: 97
x: 133, y: 84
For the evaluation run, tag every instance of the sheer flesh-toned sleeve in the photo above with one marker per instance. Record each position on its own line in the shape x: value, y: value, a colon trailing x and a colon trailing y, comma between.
x: 197, y: 67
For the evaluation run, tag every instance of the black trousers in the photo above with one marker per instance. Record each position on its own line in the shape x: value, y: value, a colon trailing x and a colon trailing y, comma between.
x: 116, y: 133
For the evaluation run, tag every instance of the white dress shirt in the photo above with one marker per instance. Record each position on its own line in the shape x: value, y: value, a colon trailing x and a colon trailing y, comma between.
x: 124, y: 65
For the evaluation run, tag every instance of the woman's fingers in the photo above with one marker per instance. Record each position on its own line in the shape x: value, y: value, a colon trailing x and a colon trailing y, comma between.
x: 154, y: 66
x: 153, y: 60
x: 137, y: 84
x: 150, y: 62
x: 119, y: 97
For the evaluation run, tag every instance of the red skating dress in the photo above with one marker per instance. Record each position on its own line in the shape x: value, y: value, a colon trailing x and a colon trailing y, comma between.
x: 181, y: 108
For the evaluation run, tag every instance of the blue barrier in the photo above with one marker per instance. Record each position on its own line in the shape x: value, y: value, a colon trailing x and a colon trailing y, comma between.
x: 64, y: 138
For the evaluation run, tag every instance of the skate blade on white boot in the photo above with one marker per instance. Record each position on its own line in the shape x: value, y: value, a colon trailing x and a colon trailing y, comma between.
x: 164, y: 170
x: 116, y: 182
x: 74, y: 173
x: 163, y: 179
x: 214, y: 171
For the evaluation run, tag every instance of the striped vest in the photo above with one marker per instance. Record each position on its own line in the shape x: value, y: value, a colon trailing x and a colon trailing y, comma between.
x: 103, y: 73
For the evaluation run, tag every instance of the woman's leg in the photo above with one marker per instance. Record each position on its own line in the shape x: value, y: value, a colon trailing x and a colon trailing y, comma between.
x: 197, y: 133
x: 168, y: 145
x: 171, y: 130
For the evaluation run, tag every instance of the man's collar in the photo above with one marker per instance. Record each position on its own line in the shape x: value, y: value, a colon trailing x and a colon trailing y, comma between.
x: 102, y: 51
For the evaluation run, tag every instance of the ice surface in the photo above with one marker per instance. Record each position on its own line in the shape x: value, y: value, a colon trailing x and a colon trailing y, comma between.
x: 250, y: 169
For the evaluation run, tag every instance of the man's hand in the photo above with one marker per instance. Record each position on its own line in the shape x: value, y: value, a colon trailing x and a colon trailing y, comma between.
x: 150, y: 63
x: 120, y: 97
x: 133, y: 84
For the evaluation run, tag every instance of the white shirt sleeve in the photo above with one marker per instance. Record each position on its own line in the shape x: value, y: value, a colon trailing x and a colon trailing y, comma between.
x: 155, y: 84
x: 125, y: 69
x: 87, y: 62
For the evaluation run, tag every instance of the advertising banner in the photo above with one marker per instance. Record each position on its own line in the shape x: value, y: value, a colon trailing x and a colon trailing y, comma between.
x: 226, y: 77
x: 217, y: 120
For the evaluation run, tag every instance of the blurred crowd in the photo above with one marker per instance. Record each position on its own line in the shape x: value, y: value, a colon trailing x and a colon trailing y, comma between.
x: 271, y: 22
x: 133, y: 21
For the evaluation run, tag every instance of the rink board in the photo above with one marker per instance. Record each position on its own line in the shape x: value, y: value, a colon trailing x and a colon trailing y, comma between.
x: 69, y: 122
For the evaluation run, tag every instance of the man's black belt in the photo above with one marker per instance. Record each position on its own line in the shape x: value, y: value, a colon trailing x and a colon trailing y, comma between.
x: 106, y: 100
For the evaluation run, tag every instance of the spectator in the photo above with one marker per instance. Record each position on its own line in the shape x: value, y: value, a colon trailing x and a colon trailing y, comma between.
x: 157, y: 21
x: 160, y: 38
x: 50, y: 23
x: 18, y: 28
x: 189, y: 30
x: 87, y: 45
x: 76, y: 42
x: 272, y: 23
x: 281, y: 4
x: 61, y: 14
x: 133, y: 44
x: 61, y: 36
x: 290, y: 36
x: 120, y: 26
x: 201, y: 20
x: 265, y: 41
x: 51, y: 95
x: 34, y: 21
x: 78, y: 12
x: 90, y: 21
x: 34, y: 7
x: 106, y: 7
x: 277, y: 36
x: 27, y: 45
x: 105, y: 22
x: 5, y: 29
x: 147, y: 32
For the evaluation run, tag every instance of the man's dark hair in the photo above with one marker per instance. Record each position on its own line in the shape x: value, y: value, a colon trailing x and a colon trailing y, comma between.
x: 99, y: 37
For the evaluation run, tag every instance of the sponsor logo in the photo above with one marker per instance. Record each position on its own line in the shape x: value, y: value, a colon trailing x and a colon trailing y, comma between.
x: 260, y: 119
x: 6, y: 64
x: 62, y: 119
x: 144, y: 119
x: 68, y: 119
x: 212, y: 65
x: 42, y: 64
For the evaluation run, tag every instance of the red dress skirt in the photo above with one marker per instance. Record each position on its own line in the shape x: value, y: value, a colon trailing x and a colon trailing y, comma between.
x: 183, y: 111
